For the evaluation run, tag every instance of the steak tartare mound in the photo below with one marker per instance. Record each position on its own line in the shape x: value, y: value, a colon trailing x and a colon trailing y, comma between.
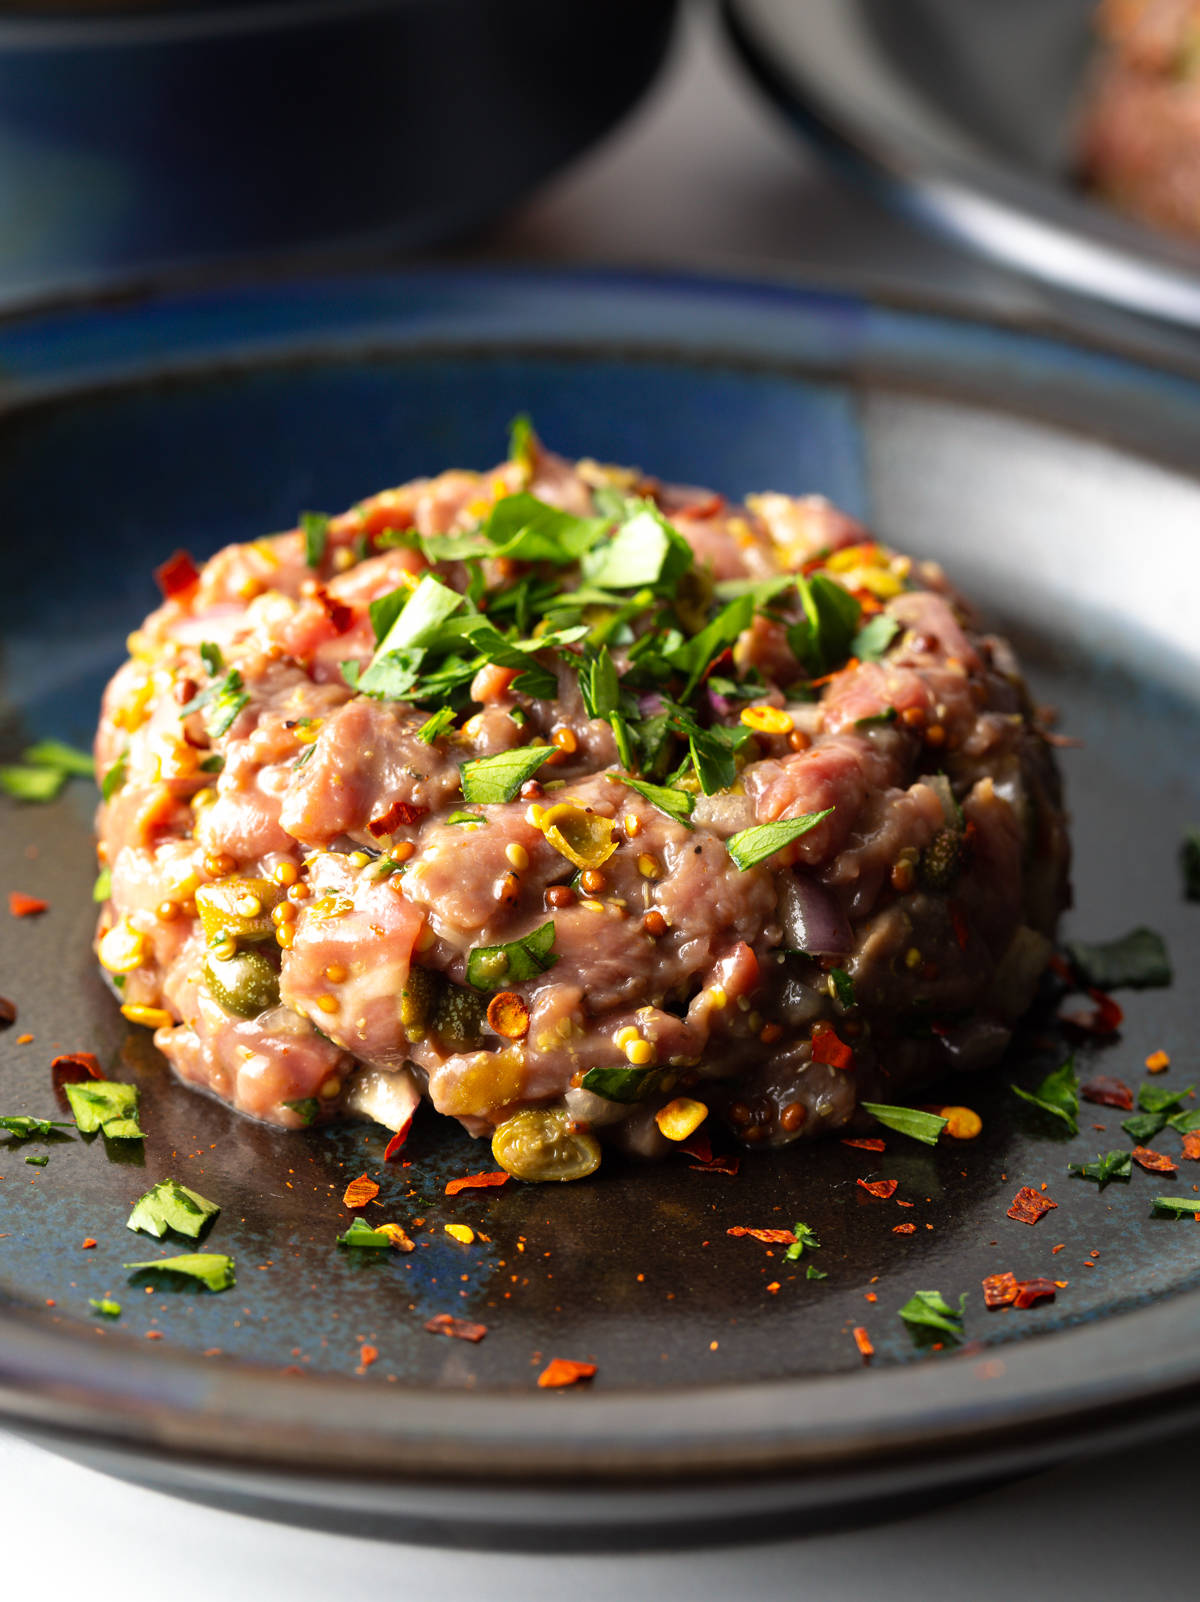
x: 584, y: 806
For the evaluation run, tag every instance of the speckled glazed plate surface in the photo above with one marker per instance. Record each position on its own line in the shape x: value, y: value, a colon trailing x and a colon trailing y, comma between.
x: 1057, y: 485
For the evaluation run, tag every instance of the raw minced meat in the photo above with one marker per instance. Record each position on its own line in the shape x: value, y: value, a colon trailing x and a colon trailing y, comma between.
x: 581, y: 805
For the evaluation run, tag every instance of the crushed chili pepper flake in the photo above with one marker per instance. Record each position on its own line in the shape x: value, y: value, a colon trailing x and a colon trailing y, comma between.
x: 24, y: 1040
x: 360, y: 1191
x: 366, y: 1356
x: 900, y: 1203
x: 71, y: 1062
x: 460, y: 1328
x: 999, y: 1290
x: 564, y: 1371
x: 774, y: 1288
x: 1105, y: 1092
x: 1027, y: 1206
x: 1105, y: 1019
x: 885, y: 1189
x: 484, y: 1181
x: 723, y: 1163
x: 396, y: 1144
x: 1054, y: 1250
x: 866, y: 1145
x: 177, y: 575
x: 1191, y: 1146
x: 401, y: 814
x: 1032, y: 1291
x: 1158, y: 1062
x: 830, y: 1049
x: 89, y: 1242
x: 770, y: 1237
x: 863, y: 1341
x: 1154, y: 1162
x: 904, y: 1229
x: 23, y: 906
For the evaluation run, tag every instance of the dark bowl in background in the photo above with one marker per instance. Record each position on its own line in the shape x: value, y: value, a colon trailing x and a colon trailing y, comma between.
x: 140, y: 136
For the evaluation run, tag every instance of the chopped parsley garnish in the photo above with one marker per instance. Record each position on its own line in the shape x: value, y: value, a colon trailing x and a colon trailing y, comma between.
x: 1160, y: 1099
x: 315, y: 528
x: 498, y: 778
x: 755, y: 845
x: 307, y: 1110
x: 843, y: 989
x: 31, y: 784
x: 213, y: 1269
x: 433, y: 728
x: 929, y: 1310
x: 873, y: 639
x: 497, y: 967
x: 361, y: 1234
x: 228, y: 704
x: 1181, y: 1206
x: 911, y: 1121
x: 115, y: 777
x: 105, y: 1307
x: 878, y: 720
x: 644, y: 553
x: 805, y: 1241
x: 1057, y: 1095
x: 1185, y: 1123
x: 521, y: 441
x: 1161, y: 1106
x: 212, y: 657
x: 1107, y: 1167
x: 106, y: 1105
x: 37, y: 1162
x: 821, y: 641
x: 677, y: 804
x: 24, y: 1127
x: 1144, y: 1126
x: 813, y: 1272
x: 463, y: 816
x: 170, y: 1205
x: 623, y: 1084
x: 60, y: 757
x: 1137, y: 961
x: 102, y: 888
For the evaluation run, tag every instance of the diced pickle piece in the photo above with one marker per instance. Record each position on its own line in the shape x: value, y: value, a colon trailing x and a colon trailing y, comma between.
x: 458, y: 1021
x: 417, y: 1002
x: 942, y: 859
x: 238, y: 909
x: 542, y: 1144
x: 245, y: 984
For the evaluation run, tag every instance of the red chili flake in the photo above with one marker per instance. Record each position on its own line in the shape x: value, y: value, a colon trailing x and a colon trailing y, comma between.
x: 22, y: 906
x: 1105, y: 1020
x: 863, y: 1341
x: 904, y: 1229
x: 360, y: 1191
x: 1191, y: 1146
x: 723, y: 1163
x: 1000, y: 1289
x: 366, y: 1356
x: 396, y: 1145
x: 698, y: 1146
x: 459, y: 1328
x: 8, y: 1013
x: 89, y: 1242
x: 154, y: 1334
x: 1054, y: 1250
x: 769, y: 1237
x: 477, y: 1182
x: 1105, y: 1092
x: 958, y: 922
x: 828, y: 678
x: 1027, y: 1206
x: 1154, y: 1162
x: 829, y: 1049
x: 341, y: 616
x: 563, y: 1371
x: 400, y: 813
x: 866, y: 1145
x: 67, y: 1068
x: 885, y: 1189
x: 1032, y: 1291
x: 177, y: 575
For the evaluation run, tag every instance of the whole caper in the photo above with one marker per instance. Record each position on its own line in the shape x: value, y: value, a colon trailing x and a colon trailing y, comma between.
x: 458, y: 1018
x: 244, y: 983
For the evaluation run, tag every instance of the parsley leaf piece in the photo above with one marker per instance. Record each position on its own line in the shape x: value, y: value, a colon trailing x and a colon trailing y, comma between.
x: 102, y: 888
x: 1057, y: 1095
x: 843, y: 986
x: 599, y: 686
x: 930, y: 1310
x: 64, y: 758
x: 105, y: 1307
x: 524, y: 529
x: 712, y: 753
x: 911, y: 1121
x: 878, y: 720
x: 107, y: 1105
x: 805, y: 1241
x: 1107, y: 1167
x: 1144, y: 1126
x: 115, y: 777
x: 1181, y: 1206
x: 37, y: 1162
x: 307, y: 1109
x: 1137, y: 961
x: 433, y: 728
x: 751, y: 846
x: 821, y: 641
x: 498, y: 778
x: 315, y: 527
x: 623, y: 1084
x: 677, y: 804
x: 694, y: 657
x: 1160, y: 1099
x: 813, y: 1272
x: 24, y: 1127
x: 31, y: 784
x: 463, y: 816
x: 391, y: 675
x: 170, y: 1205
x: 1185, y: 1123
x: 521, y: 441
x: 874, y: 638
x: 412, y: 618
x: 211, y: 656
x: 362, y: 1235
x: 228, y: 704
x: 497, y: 967
x: 213, y: 1269
x: 644, y: 553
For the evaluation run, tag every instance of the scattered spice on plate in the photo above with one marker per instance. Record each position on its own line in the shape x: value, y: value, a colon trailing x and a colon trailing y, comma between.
x: 360, y: 1191
x: 904, y: 1229
x: 23, y: 906
x: 396, y: 1145
x: 1032, y: 1291
x: 770, y: 1237
x: 866, y: 1145
x: 724, y: 1163
x: 366, y: 1356
x: 564, y: 1371
x: 885, y: 1189
x: 1158, y: 1062
x: 863, y: 1341
x: 483, y: 1181
x: 1191, y: 1146
x: 1027, y: 1206
x: 1000, y: 1290
x: 460, y: 1328
x: 1154, y: 1162
x: 1105, y: 1092
x: 463, y: 1233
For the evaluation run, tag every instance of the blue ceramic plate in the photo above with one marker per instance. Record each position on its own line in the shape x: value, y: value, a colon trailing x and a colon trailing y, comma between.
x: 1057, y: 485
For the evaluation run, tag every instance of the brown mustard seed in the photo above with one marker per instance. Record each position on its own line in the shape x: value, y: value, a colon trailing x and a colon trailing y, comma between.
x: 935, y: 734
x: 654, y: 924
x: 184, y: 690
x: 903, y: 875
x: 913, y: 717
x: 559, y: 896
x: 167, y: 911
x: 798, y: 740
x: 299, y: 892
x: 565, y: 739
x: 285, y: 912
x: 219, y: 865
x: 793, y: 1117
x: 739, y: 1113
x: 592, y: 880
